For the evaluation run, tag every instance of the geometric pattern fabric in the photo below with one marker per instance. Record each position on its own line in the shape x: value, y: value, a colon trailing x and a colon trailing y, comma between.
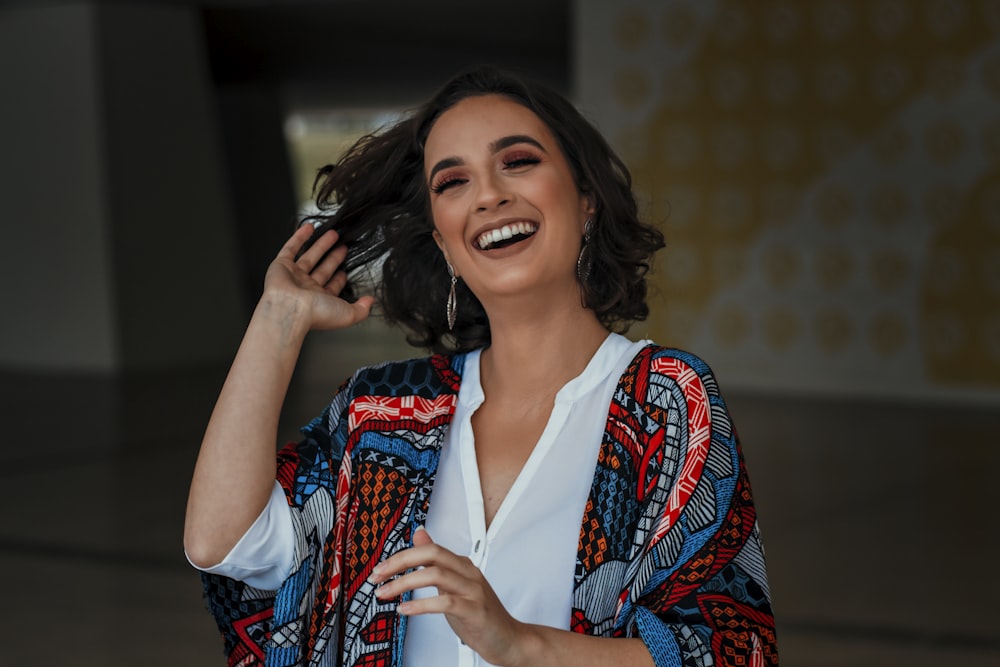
x: 668, y: 548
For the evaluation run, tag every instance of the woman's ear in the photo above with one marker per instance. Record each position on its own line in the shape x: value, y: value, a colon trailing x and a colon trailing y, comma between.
x: 588, y: 205
x: 441, y: 246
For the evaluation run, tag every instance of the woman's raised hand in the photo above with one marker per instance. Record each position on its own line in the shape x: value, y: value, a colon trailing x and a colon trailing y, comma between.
x: 310, y: 285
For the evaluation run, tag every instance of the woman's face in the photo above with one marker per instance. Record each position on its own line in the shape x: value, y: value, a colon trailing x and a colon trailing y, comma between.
x: 507, y: 212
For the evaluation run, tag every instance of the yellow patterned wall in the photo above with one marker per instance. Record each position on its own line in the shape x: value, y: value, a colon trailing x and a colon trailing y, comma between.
x: 827, y: 175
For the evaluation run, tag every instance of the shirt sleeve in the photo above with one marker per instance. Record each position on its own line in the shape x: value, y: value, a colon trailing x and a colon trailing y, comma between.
x: 670, y: 551
x: 263, y: 556
x: 700, y: 596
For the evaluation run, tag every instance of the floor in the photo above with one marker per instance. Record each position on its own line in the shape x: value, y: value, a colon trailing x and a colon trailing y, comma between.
x: 879, y: 521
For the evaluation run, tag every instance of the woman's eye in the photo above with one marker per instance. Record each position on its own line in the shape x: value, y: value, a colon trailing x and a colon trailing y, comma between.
x: 518, y: 161
x: 446, y: 183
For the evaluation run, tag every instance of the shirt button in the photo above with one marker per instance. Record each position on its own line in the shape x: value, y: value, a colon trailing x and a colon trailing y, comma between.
x: 478, y: 553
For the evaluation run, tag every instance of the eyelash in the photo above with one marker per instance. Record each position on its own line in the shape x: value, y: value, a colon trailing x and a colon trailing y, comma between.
x: 513, y: 162
x: 517, y: 161
x: 446, y: 183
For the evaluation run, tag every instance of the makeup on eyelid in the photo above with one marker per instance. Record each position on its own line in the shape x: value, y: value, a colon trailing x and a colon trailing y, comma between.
x: 515, y: 161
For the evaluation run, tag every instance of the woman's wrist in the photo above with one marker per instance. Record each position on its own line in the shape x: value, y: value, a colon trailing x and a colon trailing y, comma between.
x: 285, y: 315
x: 543, y: 645
x: 528, y: 647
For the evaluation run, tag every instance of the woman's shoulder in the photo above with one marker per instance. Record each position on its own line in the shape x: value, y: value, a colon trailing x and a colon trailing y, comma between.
x: 425, y: 377
x: 658, y: 362
x: 681, y: 358
x: 420, y: 376
x: 669, y: 381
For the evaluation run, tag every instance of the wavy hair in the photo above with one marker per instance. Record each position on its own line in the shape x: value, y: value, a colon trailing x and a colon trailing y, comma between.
x: 376, y: 197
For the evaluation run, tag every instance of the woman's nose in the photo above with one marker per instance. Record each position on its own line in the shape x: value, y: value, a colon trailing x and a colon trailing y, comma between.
x: 492, y: 194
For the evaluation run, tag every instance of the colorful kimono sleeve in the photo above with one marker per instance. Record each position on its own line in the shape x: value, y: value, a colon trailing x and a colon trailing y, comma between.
x: 262, y: 627
x: 671, y: 525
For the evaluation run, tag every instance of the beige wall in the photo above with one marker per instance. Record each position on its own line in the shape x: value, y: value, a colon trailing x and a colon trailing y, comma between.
x: 828, y: 175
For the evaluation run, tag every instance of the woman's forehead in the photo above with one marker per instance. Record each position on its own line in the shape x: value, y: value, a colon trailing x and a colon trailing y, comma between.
x: 483, y: 119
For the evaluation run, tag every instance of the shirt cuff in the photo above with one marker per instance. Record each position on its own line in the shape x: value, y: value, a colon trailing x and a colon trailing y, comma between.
x: 263, y: 556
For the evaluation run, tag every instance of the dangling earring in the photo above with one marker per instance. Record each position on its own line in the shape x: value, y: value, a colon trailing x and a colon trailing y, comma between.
x: 585, y: 260
x: 452, y: 302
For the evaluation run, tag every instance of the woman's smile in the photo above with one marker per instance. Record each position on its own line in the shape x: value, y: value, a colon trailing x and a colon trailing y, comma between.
x: 506, y: 234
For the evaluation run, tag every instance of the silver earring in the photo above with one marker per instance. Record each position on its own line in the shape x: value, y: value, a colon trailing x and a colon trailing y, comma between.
x: 585, y: 260
x: 452, y: 302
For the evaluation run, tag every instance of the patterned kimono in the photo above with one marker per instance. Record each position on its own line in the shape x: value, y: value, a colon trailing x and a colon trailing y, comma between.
x: 669, y: 549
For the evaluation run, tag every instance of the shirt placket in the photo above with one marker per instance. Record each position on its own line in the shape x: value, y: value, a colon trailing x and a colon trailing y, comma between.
x: 466, y: 656
x: 477, y: 521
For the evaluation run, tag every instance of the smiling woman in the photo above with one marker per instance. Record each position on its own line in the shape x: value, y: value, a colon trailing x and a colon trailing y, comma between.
x: 542, y: 490
x: 380, y: 192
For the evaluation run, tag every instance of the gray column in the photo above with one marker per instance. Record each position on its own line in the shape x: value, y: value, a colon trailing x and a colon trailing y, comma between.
x: 117, y: 249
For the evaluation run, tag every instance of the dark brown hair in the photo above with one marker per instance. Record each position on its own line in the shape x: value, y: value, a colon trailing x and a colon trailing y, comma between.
x: 376, y: 197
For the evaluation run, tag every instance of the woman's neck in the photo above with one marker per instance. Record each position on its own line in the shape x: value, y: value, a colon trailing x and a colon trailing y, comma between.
x: 532, y: 357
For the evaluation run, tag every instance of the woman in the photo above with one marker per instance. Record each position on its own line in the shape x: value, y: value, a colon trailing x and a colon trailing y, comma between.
x: 507, y: 238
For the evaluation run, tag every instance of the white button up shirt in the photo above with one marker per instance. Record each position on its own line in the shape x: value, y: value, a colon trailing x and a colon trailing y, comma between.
x: 528, y: 554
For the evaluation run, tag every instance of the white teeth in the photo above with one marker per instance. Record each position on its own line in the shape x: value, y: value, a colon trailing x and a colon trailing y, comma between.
x: 506, y: 232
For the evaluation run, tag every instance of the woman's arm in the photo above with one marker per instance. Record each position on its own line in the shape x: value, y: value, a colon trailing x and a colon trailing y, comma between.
x: 235, y: 471
x: 549, y: 646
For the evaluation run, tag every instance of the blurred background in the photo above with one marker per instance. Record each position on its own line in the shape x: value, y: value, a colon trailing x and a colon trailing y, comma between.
x: 827, y: 173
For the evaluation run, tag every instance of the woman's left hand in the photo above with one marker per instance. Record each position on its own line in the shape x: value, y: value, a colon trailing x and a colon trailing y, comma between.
x: 464, y: 596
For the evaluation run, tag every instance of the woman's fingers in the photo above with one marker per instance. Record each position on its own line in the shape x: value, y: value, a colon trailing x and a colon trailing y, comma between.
x: 321, y: 261
x: 312, y: 256
x: 295, y: 242
x: 421, y: 537
x: 334, y: 284
x: 423, y: 553
x: 319, y: 247
x: 456, y: 594
x: 426, y: 565
x: 466, y: 599
x: 315, y: 253
x: 424, y: 577
x: 327, y: 272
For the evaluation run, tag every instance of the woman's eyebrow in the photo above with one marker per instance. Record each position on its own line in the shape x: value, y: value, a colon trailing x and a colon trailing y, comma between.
x: 506, y: 142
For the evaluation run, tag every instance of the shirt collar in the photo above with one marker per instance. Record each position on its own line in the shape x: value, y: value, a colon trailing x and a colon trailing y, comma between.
x: 604, y: 361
